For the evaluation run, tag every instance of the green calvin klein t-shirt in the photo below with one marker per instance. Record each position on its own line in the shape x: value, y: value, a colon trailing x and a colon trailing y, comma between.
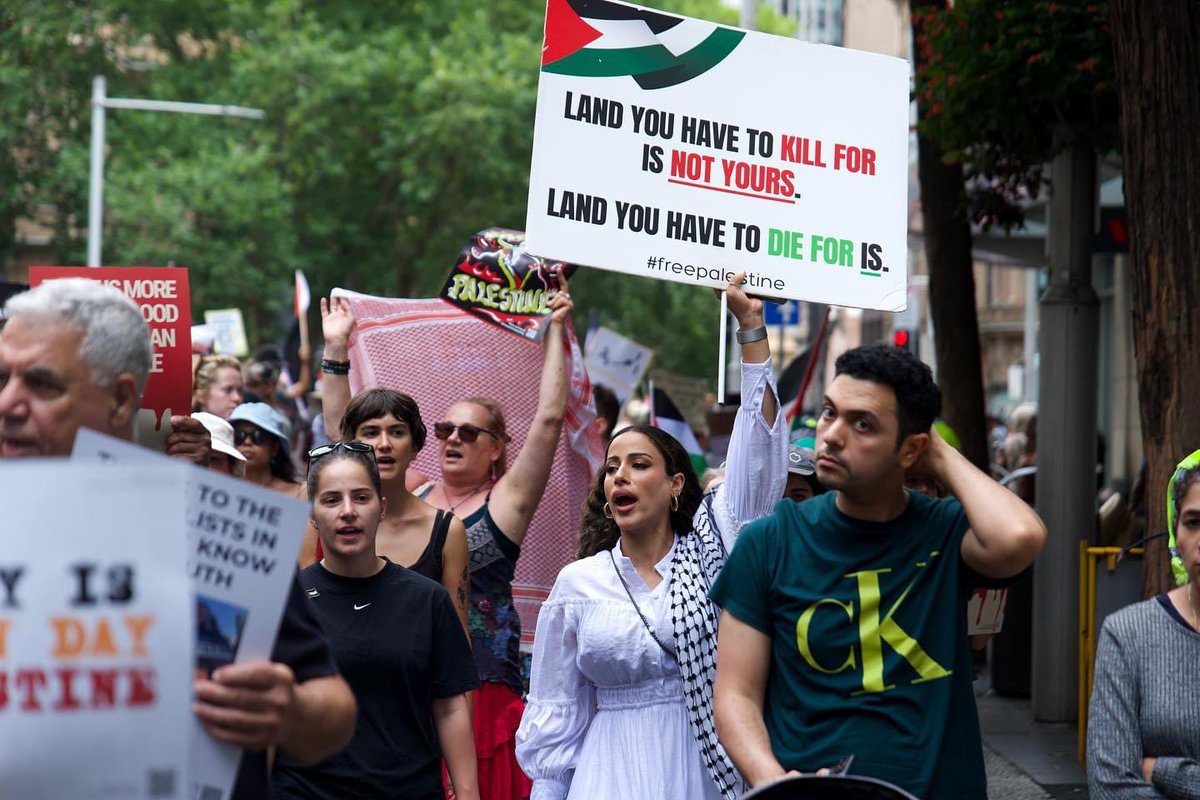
x: 869, y: 649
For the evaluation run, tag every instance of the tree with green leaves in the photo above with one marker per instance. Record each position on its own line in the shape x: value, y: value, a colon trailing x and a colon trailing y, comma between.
x: 1000, y: 88
x: 1005, y: 76
x: 392, y: 133
x: 1157, y: 63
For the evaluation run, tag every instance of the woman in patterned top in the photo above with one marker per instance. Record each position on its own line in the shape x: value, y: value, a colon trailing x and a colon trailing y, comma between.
x: 496, y: 503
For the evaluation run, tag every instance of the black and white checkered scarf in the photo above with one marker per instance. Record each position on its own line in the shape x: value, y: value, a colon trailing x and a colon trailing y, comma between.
x: 699, y: 556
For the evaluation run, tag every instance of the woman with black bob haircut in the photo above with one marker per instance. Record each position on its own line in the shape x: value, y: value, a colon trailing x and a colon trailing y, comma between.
x: 413, y: 533
x: 626, y: 641
x: 398, y: 643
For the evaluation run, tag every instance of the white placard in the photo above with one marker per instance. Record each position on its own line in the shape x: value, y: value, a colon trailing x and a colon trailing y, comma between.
x: 985, y: 611
x: 616, y: 361
x: 95, y: 631
x: 682, y: 150
x: 229, y: 331
x: 242, y: 545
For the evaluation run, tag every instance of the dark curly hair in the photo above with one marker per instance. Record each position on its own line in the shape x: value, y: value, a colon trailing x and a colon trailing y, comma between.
x: 918, y: 398
x: 598, y: 533
x: 375, y: 403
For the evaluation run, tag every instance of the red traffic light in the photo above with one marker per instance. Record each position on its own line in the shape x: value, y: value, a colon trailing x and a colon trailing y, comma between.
x: 900, y: 338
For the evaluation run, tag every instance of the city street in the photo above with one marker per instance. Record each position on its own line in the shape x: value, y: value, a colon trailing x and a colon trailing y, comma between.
x: 1026, y: 760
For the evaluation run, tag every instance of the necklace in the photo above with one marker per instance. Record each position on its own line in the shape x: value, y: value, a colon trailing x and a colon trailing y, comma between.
x: 1192, y: 606
x: 670, y: 653
x: 461, y: 500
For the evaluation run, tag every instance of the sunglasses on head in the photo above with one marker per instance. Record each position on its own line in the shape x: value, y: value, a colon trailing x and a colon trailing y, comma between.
x: 256, y: 435
x: 353, y: 447
x: 468, y: 433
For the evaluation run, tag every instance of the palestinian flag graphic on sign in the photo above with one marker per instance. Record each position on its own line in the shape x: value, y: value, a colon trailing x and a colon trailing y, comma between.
x: 602, y: 39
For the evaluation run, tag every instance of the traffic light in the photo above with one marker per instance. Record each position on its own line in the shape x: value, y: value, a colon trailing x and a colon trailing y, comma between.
x: 905, y: 338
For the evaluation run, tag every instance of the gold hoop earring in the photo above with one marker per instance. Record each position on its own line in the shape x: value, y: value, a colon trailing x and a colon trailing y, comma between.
x: 608, y: 511
x: 674, y: 502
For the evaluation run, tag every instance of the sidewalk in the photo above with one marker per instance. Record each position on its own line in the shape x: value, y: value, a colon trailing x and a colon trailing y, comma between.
x: 1026, y: 760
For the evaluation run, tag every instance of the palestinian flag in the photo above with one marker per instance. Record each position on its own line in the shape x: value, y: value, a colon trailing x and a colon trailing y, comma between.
x: 603, y: 39
x: 665, y: 416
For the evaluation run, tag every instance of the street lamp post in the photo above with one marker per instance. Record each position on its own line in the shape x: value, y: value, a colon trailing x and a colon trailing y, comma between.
x: 101, y: 102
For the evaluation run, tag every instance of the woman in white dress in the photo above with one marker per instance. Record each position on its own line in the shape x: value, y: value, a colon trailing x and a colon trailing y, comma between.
x: 620, y: 702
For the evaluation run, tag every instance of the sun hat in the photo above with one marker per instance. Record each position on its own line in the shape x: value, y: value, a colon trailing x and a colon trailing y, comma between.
x: 221, y: 433
x: 265, y: 417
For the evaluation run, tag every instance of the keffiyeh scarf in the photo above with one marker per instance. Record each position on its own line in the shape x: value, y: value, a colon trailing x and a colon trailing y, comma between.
x: 699, y: 556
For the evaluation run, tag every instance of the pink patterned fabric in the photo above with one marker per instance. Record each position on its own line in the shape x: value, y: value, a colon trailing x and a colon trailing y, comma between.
x: 439, y: 354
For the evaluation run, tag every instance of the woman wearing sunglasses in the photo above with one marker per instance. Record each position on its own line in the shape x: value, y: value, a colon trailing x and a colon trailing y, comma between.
x: 260, y: 435
x: 396, y: 640
x: 496, y: 502
x: 414, y: 534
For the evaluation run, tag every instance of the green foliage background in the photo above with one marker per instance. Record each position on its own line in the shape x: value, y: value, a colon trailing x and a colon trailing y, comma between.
x: 1005, y: 83
x: 393, y: 131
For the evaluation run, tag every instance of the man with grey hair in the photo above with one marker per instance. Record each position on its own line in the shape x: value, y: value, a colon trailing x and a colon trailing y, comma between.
x: 76, y: 353
x: 73, y: 353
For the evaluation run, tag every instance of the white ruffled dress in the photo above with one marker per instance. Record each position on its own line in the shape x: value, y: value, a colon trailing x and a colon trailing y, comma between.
x: 606, y: 717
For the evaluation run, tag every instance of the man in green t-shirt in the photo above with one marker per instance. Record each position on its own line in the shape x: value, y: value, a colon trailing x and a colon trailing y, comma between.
x: 844, y: 628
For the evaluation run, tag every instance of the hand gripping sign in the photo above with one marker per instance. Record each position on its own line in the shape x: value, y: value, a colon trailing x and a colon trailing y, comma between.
x: 496, y: 279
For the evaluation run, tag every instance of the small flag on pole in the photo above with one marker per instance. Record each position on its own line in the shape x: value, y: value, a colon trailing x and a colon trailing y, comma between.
x: 303, y: 297
x: 665, y: 416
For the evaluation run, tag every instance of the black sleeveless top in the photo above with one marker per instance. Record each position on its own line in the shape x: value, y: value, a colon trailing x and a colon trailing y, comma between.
x: 430, y: 562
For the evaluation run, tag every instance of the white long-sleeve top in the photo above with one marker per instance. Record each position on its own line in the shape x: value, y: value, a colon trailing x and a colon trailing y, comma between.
x: 756, y: 463
x: 601, y: 683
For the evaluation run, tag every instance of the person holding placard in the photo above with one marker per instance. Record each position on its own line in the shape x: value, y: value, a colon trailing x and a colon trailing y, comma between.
x: 496, y: 503
x: 397, y: 639
x: 71, y: 357
x: 626, y: 642
x: 76, y: 353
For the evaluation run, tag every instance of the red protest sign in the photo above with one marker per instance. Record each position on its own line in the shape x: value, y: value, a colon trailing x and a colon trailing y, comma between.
x: 495, y: 279
x: 164, y: 298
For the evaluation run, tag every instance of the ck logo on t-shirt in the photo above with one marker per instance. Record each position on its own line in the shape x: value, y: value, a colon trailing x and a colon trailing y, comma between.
x: 873, y: 633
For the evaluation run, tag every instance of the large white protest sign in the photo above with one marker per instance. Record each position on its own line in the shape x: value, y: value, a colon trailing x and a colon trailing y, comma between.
x: 683, y: 150
x: 95, y: 631
x: 242, y: 544
x: 616, y: 361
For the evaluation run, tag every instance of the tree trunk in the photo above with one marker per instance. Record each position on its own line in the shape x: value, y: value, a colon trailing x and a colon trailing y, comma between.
x: 951, y: 286
x: 1158, y: 79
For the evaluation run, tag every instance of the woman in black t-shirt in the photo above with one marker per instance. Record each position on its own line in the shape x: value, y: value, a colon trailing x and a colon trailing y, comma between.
x: 413, y: 533
x: 398, y: 643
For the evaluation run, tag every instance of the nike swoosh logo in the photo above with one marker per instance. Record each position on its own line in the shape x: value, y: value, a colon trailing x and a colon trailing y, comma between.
x: 360, y: 608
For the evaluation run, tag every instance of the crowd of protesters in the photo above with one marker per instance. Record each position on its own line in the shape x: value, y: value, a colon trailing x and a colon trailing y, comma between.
x: 807, y: 603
